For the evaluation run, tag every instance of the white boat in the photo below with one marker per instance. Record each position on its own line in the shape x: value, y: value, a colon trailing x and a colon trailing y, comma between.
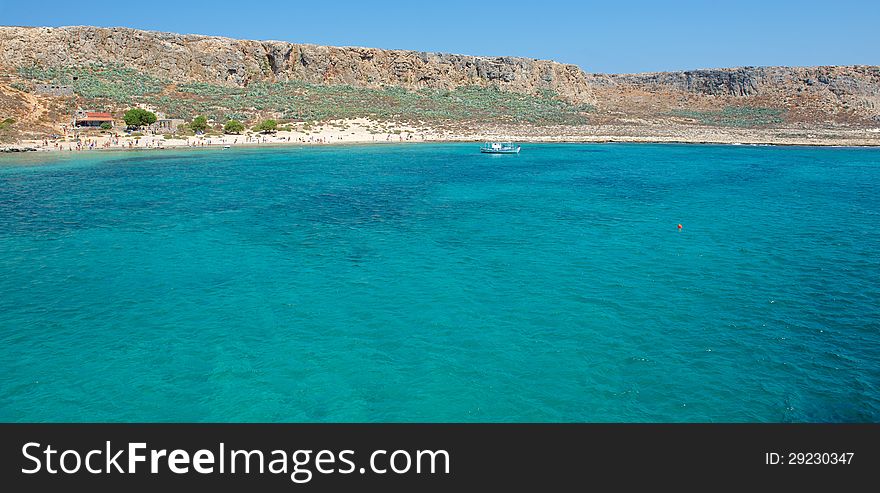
x: 227, y: 146
x: 500, y: 148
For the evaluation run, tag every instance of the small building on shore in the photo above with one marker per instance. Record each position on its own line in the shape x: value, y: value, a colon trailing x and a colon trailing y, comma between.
x: 167, y: 125
x: 84, y: 118
x: 163, y: 124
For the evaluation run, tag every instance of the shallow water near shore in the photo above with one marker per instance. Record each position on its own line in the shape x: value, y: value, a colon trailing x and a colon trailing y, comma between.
x: 431, y: 283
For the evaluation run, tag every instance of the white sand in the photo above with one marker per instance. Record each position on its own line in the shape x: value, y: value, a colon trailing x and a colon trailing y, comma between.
x: 359, y: 130
x: 362, y: 130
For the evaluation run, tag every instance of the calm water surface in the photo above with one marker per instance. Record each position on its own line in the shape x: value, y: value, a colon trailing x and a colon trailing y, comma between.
x: 432, y: 283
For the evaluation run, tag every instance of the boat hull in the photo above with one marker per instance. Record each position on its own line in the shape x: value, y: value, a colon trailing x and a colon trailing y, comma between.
x: 497, y: 151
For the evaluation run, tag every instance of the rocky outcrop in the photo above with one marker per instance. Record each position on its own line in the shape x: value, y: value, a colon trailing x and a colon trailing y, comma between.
x: 176, y: 57
x: 19, y: 148
x: 727, y: 82
x: 751, y: 81
x: 811, y: 95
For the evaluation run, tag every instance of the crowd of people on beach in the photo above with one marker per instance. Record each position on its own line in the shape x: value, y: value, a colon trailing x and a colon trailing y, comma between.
x: 80, y: 145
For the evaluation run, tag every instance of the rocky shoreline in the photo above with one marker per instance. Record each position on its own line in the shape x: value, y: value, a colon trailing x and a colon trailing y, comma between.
x: 19, y: 148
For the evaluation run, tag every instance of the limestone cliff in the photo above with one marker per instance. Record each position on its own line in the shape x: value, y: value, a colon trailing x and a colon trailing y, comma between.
x: 210, y: 59
x: 808, y: 95
x: 858, y: 85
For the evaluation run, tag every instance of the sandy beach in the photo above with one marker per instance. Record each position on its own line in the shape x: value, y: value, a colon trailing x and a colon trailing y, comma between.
x: 365, y: 131
x: 334, y: 132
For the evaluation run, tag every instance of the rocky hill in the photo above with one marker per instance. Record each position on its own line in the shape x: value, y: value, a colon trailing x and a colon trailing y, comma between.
x: 185, y: 75
x: 848, y: 94
x: 218, y: 60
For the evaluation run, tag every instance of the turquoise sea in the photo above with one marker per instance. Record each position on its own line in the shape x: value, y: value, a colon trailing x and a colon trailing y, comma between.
x: 428, y: 282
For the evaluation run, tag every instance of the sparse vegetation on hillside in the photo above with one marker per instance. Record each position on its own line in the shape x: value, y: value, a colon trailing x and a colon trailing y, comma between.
x: 114, y: 82
x: 309, y: 102
x: 100, y: 84
x: 735, y: 116
x: 7, y: 132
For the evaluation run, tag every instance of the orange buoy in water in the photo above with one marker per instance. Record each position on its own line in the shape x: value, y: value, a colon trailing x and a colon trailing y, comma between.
x: 679, y: 227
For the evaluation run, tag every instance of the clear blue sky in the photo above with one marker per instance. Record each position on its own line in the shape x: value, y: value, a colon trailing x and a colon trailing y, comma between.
x: 608, y: 36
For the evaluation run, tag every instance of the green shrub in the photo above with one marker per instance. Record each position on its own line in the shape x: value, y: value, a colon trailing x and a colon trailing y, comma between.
x: 106, y: 126
x: 199, y: 124
x: 233, y: 127
x: 138, y: 117
x: 266, y: 126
